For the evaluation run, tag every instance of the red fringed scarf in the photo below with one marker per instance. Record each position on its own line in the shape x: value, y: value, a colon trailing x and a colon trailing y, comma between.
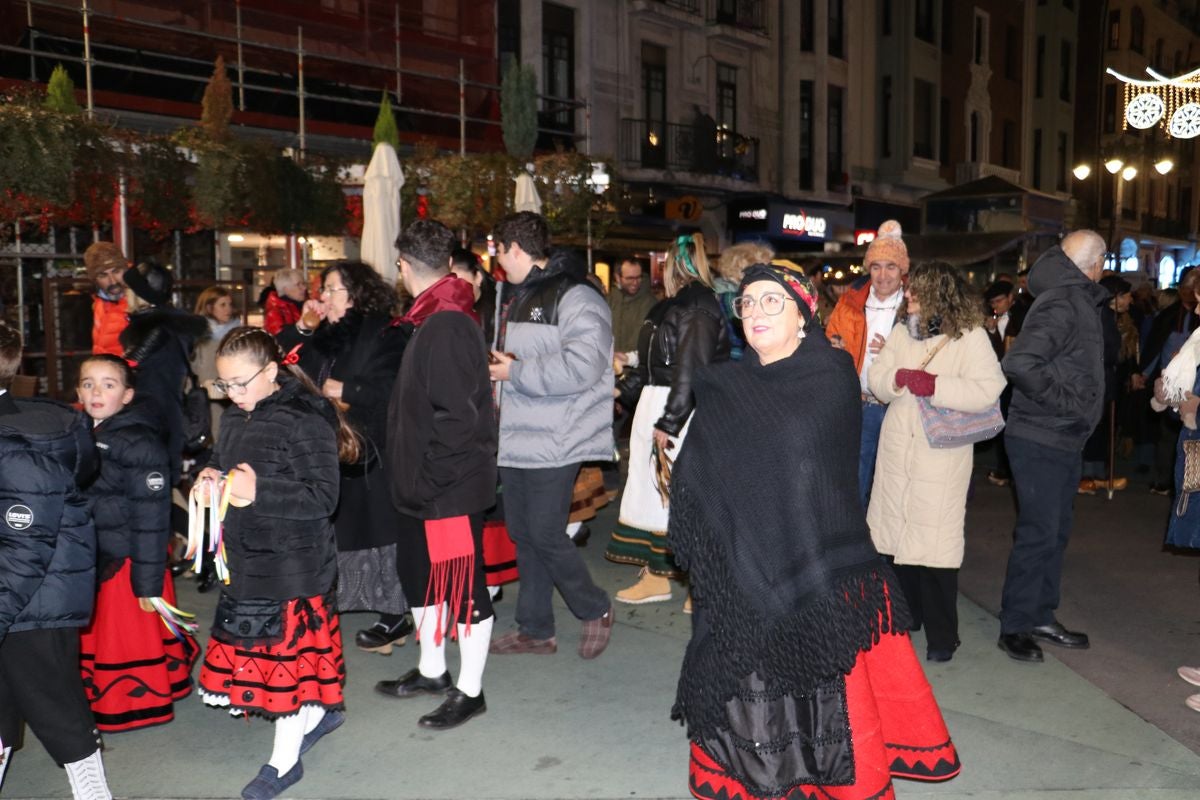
x: 450, y: 293
x: 451, y: 564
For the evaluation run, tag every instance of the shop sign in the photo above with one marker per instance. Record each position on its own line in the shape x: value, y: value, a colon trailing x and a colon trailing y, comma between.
x: 686, y: 208
x: 862, y: 237
x: 799, y: 223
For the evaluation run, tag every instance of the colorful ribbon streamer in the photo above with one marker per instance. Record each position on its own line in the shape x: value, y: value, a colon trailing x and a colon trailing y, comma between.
x: 180, y: 623
x: 215, y: 518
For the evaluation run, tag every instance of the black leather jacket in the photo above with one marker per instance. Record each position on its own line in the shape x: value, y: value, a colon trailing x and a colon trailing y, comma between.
x: 680, y: 335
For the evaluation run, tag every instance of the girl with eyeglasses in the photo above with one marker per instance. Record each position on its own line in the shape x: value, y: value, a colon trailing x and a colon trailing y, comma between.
x: 276, y: 647
x: 351, y: 348
x: 681, y: 334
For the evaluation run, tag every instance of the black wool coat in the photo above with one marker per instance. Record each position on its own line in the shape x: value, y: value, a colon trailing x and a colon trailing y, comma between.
x: 281, y: 546
x: 131, y: 498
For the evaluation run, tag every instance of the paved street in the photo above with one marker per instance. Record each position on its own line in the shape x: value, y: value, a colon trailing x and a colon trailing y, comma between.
x: 1104, y: 724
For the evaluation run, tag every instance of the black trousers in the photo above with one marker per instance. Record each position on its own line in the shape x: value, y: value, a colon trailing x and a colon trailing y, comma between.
x: 932, y: 595
x: 537, y: 503
x: 1047, y: 480
x: 40, y: 685
x: 413, y: 568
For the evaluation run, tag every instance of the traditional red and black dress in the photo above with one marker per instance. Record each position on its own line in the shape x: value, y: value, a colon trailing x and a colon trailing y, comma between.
x: 134, y: 667
x: 276, y: 640
x: 800, y: 680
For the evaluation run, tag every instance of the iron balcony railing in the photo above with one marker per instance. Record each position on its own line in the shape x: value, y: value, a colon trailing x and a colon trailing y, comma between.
x: 702, y: 148
x: 747, y: 14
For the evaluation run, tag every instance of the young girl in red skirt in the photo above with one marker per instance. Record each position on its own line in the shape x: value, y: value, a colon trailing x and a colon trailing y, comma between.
x: 134, y: 667
x: 276, y: 644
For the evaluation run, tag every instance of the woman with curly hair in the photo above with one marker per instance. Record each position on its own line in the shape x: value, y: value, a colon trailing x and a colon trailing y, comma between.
x: 351, y: 349
x: 942, y: 353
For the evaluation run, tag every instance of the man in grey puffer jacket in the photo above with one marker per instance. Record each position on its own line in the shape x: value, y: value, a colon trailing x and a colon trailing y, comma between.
x: 555, y: 393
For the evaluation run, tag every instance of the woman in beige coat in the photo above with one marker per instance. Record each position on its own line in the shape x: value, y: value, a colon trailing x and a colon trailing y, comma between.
x: 918, y: 501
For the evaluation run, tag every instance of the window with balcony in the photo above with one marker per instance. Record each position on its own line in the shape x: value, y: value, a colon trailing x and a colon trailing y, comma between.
x: 835, y: 176
x: 806, y: 135
x: 727, y: 92
x: 944, y: 129
x: 558, y: 66
x: 979, y: 48
x: 739, y: 13
x: 885, y: 117
x: 1114, y: 30
x: 807, y: 23
x: 923, y: 119
x: 1039, y: 67
x: 885, y: 17
x: 973, y: 133
x: 654, y: 105
x: 1037, y: 158
x: 926, y: 21
x: 837, y: 34
x: 1110, y: 108
x: 1064, y: 72
x: 1137, y: 30
x: 1008, y: 144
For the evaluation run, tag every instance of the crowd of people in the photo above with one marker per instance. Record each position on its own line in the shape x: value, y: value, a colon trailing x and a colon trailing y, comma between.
x: 800, y: 460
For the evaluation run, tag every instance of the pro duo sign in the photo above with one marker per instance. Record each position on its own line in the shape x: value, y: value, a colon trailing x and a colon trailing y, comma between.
x: 799, y: 223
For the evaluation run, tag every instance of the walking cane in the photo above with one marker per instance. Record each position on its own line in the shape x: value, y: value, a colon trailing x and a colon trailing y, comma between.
x: 1112, y: 444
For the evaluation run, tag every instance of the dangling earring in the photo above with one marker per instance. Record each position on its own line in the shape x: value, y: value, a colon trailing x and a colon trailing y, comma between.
x: 800, y: 334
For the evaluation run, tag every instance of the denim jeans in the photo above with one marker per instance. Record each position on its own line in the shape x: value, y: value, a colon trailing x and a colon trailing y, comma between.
x: 872, y: 419
x: 536, y: 505
x: 1046, y: 479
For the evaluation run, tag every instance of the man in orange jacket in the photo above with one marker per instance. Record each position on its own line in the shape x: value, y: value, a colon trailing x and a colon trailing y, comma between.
x: 860, y: 324
x: 105, y: 265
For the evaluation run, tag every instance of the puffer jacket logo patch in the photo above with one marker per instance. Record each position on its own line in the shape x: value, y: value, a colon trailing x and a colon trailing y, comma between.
x: 19, y: 517
x: 155, y: 482
x: 536, y: 314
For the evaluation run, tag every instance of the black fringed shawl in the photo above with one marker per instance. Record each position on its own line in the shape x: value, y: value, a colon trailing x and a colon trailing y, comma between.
x: 766, y: 518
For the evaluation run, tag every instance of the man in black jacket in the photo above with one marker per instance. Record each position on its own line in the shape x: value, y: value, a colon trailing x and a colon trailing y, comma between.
x: 47, y: 579
x: 1056, y: 367
x: 442, y: 453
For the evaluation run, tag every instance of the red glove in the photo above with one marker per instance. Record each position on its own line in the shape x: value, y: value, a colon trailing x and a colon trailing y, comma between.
x: 918, y: 381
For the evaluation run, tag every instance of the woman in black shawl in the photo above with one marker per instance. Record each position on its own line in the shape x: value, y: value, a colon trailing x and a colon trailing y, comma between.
x: 800, y: 676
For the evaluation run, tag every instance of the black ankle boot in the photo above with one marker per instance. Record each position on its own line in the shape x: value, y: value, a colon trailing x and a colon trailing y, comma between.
x: 381, y: 637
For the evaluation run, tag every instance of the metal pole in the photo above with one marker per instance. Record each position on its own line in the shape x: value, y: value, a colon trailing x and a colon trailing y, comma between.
x: 32, y: 41
x: 399, y: 84
x: 87, y: 57
x: 462, y: 110
x: 241, y: 62
x: 20, y: 282
x: 300, y: 77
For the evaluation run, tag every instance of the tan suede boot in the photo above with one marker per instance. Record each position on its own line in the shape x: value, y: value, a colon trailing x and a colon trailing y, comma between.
x: 648, y: 589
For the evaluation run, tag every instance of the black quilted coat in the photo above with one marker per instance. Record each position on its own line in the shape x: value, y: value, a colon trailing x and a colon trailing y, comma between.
x: 47, y: 541
x: 131, y: 498
x: 281, y: 546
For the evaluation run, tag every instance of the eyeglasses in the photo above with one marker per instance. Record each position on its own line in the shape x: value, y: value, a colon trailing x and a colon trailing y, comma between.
x: 329, y: 290
x: 237, y: 387
x: 771, y: 304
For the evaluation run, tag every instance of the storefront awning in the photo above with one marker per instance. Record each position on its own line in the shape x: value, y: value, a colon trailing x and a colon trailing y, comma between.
x: 957, y: 249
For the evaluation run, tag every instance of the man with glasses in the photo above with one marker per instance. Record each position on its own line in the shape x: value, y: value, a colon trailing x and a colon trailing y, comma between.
x: 860, y: 324
x: 629, y: 301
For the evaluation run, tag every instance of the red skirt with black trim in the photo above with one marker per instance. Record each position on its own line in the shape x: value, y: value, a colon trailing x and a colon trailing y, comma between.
x: 304, y: 668
x: 134, y: 669
x: 895, y: 722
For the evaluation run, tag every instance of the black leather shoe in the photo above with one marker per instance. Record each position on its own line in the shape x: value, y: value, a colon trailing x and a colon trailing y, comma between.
x: 379, y: 638
x: 581, y: 536
x: 1020, y: 647
x: 457, y: 709
x: 413, y: 683
x: 207, y: 580
x: 1055, y: 633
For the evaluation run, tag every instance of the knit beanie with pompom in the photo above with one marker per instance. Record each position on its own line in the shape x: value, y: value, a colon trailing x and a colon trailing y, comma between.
x: 888, y: 246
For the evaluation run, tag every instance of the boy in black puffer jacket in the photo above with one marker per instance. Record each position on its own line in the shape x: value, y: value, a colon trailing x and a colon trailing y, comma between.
x: 47, y: 578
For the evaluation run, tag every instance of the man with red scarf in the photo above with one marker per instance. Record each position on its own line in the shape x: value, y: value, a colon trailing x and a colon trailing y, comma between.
x: 442, y: 451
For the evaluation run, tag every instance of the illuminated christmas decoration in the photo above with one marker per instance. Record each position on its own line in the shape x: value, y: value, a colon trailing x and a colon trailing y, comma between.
x: 1173, y: 104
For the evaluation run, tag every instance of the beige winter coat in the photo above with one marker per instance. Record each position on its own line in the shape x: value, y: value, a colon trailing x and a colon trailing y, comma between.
x: 918, y: 500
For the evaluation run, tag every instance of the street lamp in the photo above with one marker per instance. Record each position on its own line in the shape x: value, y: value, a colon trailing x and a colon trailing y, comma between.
x: 1129, y: 173
x: 1082, y: 171
x: 1113, y: 165
x: 1164, y: 166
